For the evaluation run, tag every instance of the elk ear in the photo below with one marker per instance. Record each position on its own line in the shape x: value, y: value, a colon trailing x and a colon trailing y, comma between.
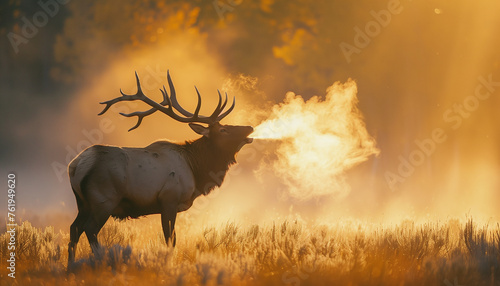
x: 199, y: 129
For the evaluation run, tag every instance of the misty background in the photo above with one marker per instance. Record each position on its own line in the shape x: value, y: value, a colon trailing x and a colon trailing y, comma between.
x: 420, y: 63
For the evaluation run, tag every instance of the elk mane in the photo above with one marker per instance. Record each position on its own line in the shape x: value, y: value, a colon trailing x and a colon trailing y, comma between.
x: 208, y: 163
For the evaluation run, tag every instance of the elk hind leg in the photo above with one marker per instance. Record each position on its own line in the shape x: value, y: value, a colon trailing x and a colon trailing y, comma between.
x: 96, y: 221
x: 92, y: 228
x: 76, y: 230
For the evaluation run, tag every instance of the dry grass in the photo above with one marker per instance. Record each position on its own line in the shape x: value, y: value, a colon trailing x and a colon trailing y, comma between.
x: 279, y: 253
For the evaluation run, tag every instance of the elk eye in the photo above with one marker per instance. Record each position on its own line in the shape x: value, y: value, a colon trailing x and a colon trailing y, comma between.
x: 223, y: 130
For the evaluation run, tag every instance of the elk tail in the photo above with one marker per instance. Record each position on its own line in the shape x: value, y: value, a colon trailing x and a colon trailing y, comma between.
x: 78, y: 169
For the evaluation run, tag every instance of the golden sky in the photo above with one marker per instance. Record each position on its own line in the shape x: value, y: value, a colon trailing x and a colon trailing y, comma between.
x: 422, y: 71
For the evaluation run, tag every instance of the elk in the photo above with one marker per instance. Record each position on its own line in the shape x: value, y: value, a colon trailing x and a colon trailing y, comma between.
x: 163, y: 178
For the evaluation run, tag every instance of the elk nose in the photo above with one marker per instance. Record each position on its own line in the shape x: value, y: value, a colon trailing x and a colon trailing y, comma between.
x: 250, y: 129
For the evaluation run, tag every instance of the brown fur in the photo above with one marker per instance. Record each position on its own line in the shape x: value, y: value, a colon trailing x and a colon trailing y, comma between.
x: 208, y: 163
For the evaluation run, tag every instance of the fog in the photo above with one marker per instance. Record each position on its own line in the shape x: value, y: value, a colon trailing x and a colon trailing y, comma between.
x: 422, y: 80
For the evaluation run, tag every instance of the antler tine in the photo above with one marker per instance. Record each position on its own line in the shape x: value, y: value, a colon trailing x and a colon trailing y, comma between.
x: 224, y: 104
x: 173, y: 98
x: 138, y: 95
x: 220, y: 117
x: 124, y: 97
x: 217, y: 109
x: 140, y: 116
x: 198, y: 106
x: 166, y: 99
x: 108, y: 105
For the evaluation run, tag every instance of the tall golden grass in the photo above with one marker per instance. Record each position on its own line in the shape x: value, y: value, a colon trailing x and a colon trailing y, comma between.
x: 276, y: 253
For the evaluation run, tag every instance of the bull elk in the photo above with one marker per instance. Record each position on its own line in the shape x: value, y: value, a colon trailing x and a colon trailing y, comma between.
x: 162, y: 178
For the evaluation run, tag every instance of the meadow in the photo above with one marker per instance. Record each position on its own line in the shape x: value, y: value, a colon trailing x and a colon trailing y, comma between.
x: 287, y: 252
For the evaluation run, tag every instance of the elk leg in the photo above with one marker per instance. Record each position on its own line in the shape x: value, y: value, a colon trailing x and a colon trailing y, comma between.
x: 76, y: 231
x: 168, y: 223
x: 92, y: 228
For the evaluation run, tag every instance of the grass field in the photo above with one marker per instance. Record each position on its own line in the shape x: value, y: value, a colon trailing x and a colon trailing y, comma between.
x: 277, y: 253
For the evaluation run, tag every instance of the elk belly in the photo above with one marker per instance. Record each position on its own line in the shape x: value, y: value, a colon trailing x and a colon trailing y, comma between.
x: 129, y: 209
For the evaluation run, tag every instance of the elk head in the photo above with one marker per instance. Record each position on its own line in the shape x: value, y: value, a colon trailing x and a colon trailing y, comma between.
x: 224, y: 137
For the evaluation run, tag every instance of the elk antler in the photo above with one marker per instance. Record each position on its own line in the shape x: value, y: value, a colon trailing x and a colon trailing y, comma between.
x: 168, y: 105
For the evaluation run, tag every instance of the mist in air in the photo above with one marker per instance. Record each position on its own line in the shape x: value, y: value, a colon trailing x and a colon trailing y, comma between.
x: 328, y: 129
x: 318, y: 141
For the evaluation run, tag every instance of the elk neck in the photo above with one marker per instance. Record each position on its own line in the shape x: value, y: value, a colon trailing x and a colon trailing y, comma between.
x: 208, y: 163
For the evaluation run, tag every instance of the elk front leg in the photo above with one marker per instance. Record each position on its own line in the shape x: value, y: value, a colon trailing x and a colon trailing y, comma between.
x: 168, y: 223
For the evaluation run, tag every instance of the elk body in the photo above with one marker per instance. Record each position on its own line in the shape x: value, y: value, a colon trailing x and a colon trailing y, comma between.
x: 162, y: 178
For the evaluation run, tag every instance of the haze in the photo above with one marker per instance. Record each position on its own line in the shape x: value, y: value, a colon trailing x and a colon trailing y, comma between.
x: 426, y: 78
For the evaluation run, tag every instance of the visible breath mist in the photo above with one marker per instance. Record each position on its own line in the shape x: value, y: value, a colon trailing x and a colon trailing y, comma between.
x: 320, y: 139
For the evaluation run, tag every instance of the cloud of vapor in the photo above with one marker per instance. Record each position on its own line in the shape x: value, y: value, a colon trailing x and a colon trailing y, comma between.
x: 318, y: 141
